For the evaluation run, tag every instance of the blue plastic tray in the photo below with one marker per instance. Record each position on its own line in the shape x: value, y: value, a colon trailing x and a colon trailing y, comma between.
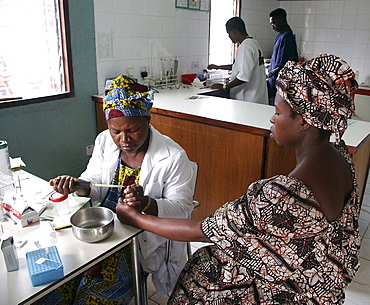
x: 44, y: 265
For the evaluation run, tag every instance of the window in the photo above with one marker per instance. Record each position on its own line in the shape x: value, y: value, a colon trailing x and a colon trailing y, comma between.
x: 221, y: 49
x: 33, y: 51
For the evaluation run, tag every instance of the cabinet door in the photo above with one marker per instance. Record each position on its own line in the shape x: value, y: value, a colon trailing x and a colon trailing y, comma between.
x: 228, y: 160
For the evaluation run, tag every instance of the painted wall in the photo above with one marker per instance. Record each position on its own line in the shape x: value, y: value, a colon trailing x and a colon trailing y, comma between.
x: 51, y: 137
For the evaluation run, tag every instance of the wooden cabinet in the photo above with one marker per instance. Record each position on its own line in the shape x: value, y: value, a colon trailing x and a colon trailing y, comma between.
x: 101, y: 123
x: 228, y: 159
x: 230, y: 156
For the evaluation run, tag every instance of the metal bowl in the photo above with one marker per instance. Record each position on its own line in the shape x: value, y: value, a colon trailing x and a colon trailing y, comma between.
x: 92, y: 224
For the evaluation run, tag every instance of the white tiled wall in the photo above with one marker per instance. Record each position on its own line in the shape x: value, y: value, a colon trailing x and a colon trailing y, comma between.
x: 138, y: 33
x: 255, y: 14
x: 340, y: 27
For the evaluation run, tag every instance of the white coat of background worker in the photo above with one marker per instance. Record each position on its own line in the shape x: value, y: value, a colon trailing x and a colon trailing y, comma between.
x: 248, y: 77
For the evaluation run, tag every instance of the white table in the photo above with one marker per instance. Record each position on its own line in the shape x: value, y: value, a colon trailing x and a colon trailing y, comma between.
x: 76, y: 256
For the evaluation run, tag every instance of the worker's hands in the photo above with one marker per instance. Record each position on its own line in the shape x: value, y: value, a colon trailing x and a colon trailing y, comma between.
x: 129, y: 212
x: 275, y: 72
x: 217, y: 86
x: 130, y: 206
x: 63, y: 184
x: 212, y: 66
x: 66, y: 185
x: 134, y: 195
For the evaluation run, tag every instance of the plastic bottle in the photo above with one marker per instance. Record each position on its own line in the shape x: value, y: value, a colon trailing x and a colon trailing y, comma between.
x: 4, y: 159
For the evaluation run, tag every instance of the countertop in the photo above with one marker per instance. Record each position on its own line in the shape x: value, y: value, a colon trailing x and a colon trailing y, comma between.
x: 187, y: 100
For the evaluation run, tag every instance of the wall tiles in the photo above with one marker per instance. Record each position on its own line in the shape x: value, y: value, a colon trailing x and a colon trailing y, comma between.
x: 155, y: 29
x: 336, y: 8
x: 363, y: 6
x: 340, y: 27
x: 350, y: 7
x: 255, y: 14
x: 138, y: 33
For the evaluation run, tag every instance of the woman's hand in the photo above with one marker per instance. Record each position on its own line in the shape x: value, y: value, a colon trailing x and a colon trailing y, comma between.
x: 217, y: 86
x: 66, y: 185
x: 63, y: 184
x: 127, y: 214
x: 134, y: 195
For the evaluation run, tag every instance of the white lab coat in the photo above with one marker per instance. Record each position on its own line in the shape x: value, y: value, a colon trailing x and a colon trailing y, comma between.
x: 167, y: 176
x: 247, y: 68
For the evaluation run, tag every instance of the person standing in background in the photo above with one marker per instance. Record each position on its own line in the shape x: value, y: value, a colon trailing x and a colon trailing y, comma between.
x: 285, y: 48
x: 248, y: 78
x: 131, y: 152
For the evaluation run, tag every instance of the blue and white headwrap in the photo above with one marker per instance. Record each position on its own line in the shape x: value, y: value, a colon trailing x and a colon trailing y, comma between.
x: 125, y: 97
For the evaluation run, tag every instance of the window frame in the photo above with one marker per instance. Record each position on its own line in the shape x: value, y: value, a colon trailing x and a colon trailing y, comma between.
x: 67, y: 59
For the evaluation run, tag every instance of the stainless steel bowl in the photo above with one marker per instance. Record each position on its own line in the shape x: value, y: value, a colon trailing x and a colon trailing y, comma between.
x: 92, y: 224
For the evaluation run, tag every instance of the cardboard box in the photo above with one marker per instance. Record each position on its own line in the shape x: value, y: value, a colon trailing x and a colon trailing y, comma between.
x: 10, y: 254
x: 15, y: 206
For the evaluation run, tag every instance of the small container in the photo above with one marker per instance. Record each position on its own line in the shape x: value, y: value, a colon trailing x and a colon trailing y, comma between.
x: 4, y: 159
x: 10, y: 254
x: 61, y: 204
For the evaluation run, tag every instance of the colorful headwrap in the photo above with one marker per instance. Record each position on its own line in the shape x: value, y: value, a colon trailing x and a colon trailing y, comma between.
x: 125, y: 97
x: 320, y: 90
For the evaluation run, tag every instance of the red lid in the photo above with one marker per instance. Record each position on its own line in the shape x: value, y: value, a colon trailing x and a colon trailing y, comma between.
x: 56, y: 197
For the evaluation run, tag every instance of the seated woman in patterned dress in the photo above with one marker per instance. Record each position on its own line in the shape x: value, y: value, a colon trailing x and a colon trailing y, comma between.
x: 131, y: 152
x: 290, y: 239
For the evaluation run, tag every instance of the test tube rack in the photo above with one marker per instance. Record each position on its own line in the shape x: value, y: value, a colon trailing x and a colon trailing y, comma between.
x: 163, y: 82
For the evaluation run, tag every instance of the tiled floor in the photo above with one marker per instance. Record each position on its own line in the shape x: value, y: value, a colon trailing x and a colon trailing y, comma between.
x: 358, y: 292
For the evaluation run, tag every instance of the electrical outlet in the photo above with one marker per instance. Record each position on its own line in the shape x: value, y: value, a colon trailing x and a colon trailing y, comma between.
x: 194, y: 65
x: 89, y: 149
x: 144, y: 71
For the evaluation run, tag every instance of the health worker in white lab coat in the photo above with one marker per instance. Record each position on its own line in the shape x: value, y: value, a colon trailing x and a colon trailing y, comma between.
x: 157, y: 174
x: 248, y: 76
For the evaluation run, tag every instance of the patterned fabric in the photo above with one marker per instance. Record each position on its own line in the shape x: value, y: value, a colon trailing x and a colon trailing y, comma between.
x: 125, y: 97
x: 110, y: 282
x: 320, y: 90
x: 274, y: 246
x: 123, y: 175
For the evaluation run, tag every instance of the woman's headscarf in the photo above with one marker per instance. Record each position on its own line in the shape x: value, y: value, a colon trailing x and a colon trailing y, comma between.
x: 125, y: 97
x: 320, y: 90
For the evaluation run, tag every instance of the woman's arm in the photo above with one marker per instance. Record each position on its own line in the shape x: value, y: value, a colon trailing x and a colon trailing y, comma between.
x: 221, y: 67
x: 170, y: 228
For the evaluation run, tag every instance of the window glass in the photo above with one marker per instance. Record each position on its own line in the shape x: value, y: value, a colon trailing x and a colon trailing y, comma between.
x: 32, y: 55
x: 221, y: 49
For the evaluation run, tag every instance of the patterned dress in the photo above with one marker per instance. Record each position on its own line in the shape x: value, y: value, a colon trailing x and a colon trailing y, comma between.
x: 274, y: 246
